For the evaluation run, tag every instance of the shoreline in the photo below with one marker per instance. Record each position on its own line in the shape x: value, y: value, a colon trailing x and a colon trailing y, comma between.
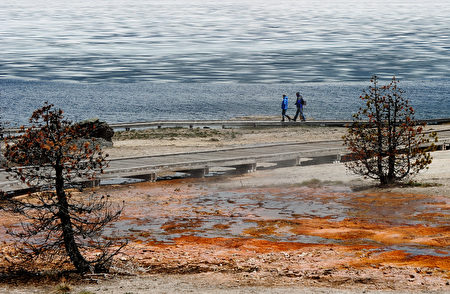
x: 251, y: 121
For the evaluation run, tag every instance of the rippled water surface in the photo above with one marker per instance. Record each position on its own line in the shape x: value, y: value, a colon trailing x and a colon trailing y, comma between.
x: 176, y: 44
x: 147, y: 101
x: 227, y: 40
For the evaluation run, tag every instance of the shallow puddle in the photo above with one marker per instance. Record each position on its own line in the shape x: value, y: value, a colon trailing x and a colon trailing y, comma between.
x: 167, y: 210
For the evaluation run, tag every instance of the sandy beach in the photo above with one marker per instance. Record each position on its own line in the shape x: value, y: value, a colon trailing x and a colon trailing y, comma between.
x: 204, y: 255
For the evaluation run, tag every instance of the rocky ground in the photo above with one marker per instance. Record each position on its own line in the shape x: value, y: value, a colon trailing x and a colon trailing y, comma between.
x: 312, y: 229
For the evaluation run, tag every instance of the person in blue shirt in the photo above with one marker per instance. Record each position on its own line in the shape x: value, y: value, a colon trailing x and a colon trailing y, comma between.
x: 299, y: 103
x: 284, y: 107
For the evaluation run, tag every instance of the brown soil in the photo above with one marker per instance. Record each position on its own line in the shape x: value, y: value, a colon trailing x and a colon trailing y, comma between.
x: 265, y: 230
x: 308, y: 236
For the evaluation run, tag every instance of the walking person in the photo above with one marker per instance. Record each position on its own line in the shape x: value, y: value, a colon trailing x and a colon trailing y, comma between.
x: 299, y: 103
x: 284, y: 107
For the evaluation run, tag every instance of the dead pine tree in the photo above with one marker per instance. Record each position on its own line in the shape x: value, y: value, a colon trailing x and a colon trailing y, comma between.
x: 2, y: 131
x: 385, y: 140
x: 50, y: 156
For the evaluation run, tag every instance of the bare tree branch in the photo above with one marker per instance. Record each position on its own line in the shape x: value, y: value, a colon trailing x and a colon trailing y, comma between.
x: 51, y: 155
x: 385, y: 140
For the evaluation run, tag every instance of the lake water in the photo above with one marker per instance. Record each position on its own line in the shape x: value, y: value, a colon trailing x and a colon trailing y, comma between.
x: 190, y: 59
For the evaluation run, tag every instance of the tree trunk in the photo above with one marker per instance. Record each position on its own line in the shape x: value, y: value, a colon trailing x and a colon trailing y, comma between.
x: 71, y: 246
x: 387, y: 180
x: 391, y: 171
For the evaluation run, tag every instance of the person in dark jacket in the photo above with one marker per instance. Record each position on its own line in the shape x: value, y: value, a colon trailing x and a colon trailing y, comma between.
x: 299, y: 103
x: 284, y: 107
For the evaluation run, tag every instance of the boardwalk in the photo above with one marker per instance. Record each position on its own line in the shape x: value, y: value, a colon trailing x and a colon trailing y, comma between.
x: 241, y: 159
x: 244, y: 123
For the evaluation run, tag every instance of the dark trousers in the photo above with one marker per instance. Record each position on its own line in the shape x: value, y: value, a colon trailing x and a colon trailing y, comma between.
x: 283, y: 114
x: 299, y: 111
